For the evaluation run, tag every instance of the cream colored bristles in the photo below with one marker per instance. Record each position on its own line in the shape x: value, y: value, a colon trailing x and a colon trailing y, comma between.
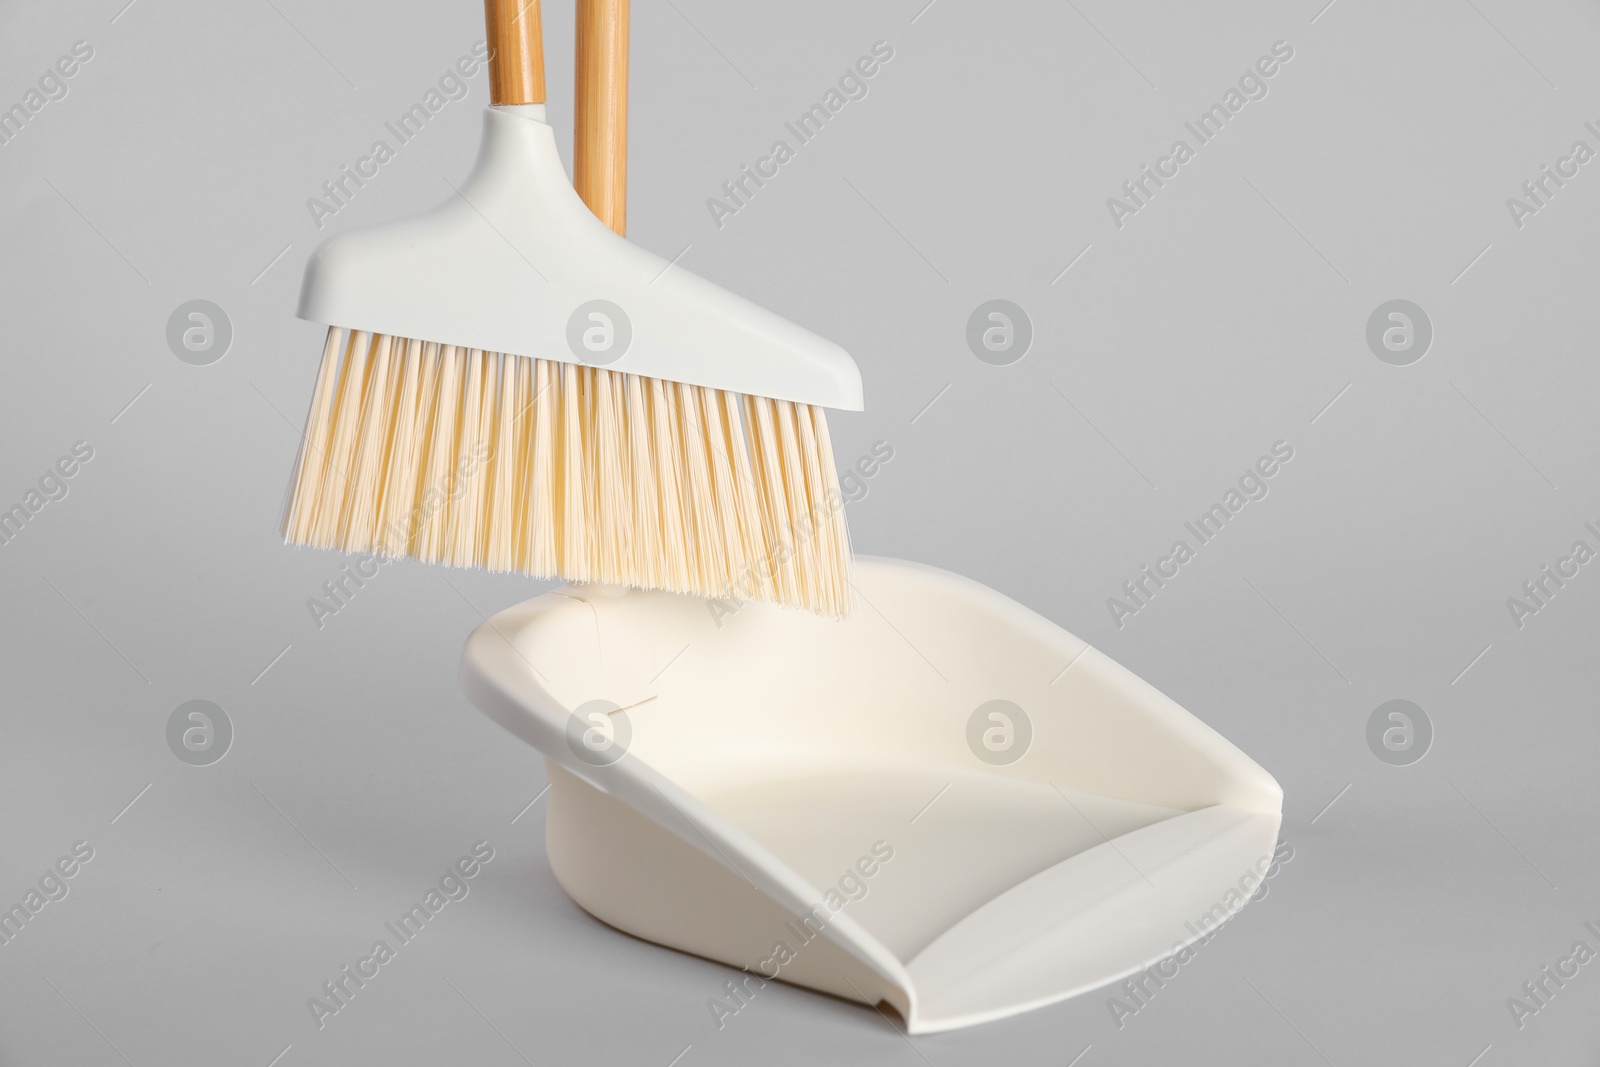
x: 542, y: 549
x: 481, y: 459
x: 767, y: 460
x: 312, y: 465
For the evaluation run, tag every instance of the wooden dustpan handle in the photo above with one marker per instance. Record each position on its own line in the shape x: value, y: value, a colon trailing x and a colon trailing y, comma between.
x: 600, y: 113
x: 516, y: 51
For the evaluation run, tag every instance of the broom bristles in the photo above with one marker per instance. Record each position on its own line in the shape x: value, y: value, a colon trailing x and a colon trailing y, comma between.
x: 508, y: 463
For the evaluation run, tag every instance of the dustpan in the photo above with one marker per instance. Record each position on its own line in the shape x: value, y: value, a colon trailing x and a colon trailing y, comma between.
x: 946, y: 803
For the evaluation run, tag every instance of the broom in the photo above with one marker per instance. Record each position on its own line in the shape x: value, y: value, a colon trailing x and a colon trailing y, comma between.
x: 460, y: 415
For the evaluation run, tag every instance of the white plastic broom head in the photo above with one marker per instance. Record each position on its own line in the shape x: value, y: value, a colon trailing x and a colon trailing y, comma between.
x: 515, y: 263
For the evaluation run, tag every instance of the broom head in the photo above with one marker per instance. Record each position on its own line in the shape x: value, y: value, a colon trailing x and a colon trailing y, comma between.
x: 514, y: 387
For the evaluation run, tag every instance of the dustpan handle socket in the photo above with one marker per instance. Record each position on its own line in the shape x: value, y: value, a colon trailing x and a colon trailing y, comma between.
x: 516, y: 51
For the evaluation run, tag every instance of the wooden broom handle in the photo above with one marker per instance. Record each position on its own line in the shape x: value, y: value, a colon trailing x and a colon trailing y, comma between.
x: 600, y: 112
x: 516, y: 51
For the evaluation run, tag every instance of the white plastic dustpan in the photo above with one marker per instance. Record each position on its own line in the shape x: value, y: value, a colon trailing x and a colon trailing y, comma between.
x: 945, y: 803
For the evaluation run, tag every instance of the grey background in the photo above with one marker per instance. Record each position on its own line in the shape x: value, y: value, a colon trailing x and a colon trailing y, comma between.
x: 1225, y: 316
